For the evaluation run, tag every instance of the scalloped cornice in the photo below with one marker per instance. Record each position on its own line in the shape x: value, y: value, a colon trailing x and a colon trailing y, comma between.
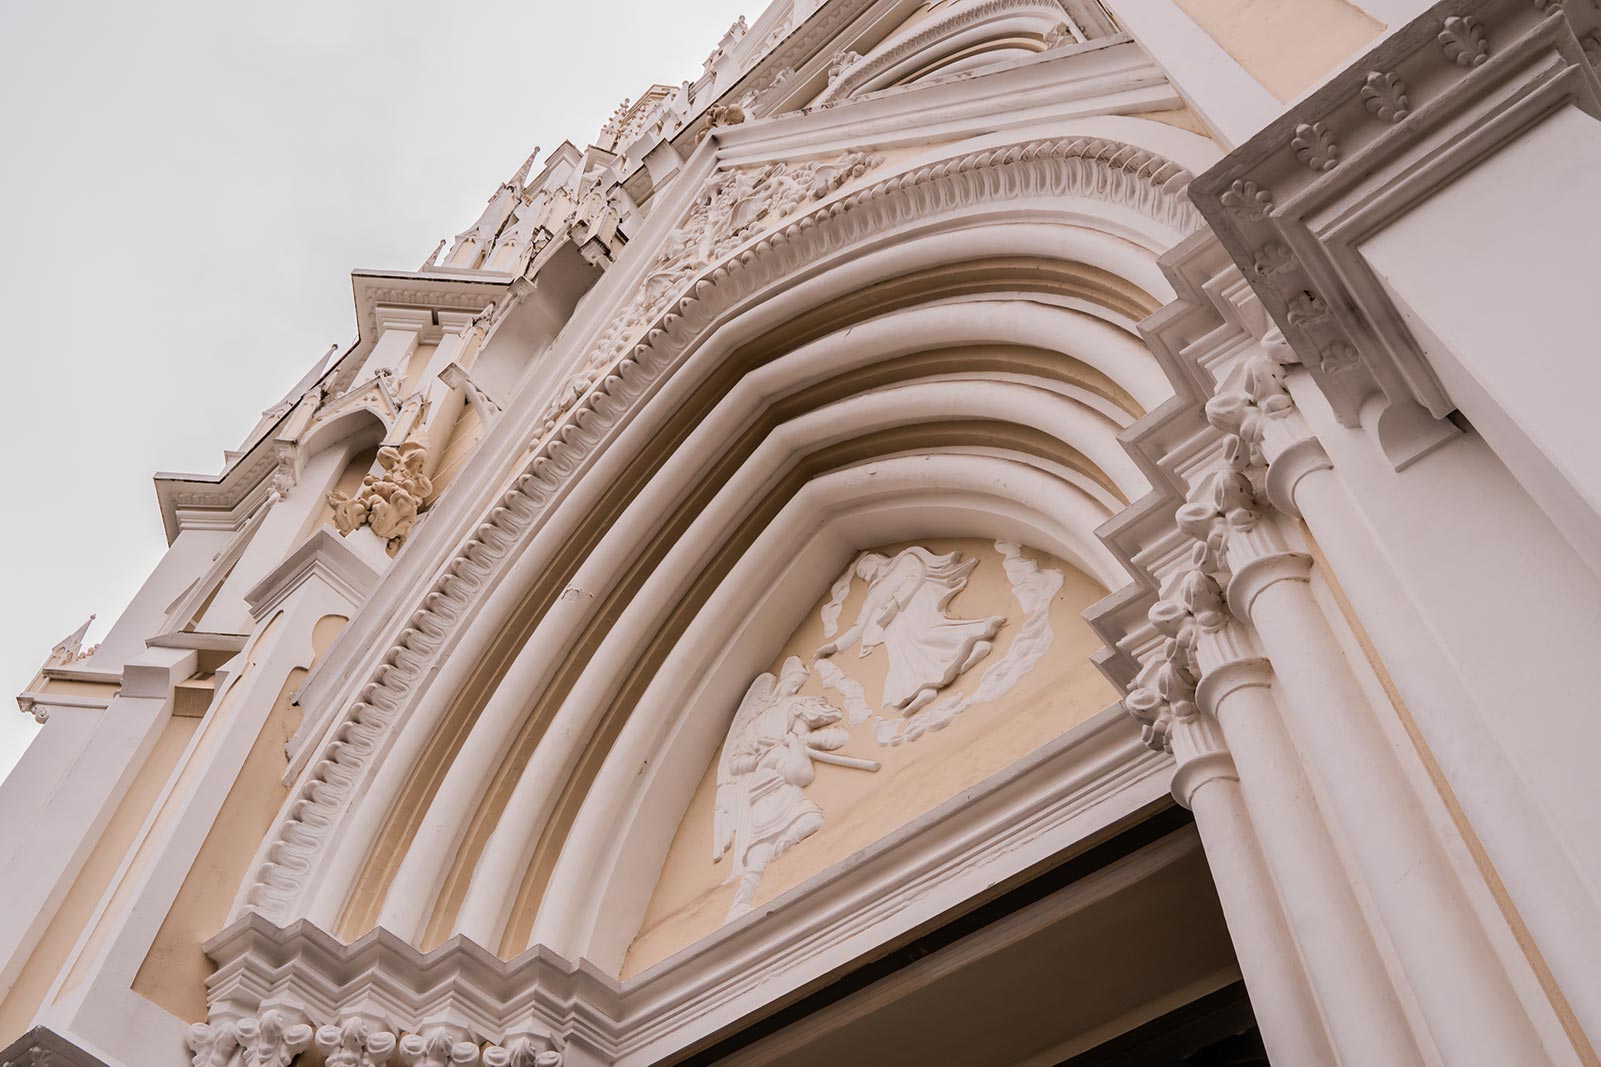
x: 1059, y: 167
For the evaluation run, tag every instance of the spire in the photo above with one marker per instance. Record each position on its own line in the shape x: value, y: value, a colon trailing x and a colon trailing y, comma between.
x: 433, y: 257
x: 70, y: 648
x: 522, y: 171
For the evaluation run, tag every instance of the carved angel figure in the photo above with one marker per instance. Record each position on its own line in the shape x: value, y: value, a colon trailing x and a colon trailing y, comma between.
x: 762, y: 775
x: 905, y: 612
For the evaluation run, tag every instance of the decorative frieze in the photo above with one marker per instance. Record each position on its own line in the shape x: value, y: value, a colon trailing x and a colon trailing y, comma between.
x: 733, y: 206
x: 1435, y: 87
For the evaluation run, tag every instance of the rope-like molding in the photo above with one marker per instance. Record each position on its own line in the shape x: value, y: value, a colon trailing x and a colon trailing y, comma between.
x: 895, y: 52
x: 1061, y: 167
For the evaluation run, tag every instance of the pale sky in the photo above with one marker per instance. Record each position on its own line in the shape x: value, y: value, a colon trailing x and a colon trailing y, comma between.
x: 184, y: 189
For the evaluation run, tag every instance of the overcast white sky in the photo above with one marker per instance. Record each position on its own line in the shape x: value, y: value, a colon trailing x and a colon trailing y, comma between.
x: 184, y: 189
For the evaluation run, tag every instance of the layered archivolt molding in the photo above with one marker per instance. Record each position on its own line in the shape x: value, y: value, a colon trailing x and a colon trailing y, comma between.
x: 1030, y: 397
x: 969, y: 37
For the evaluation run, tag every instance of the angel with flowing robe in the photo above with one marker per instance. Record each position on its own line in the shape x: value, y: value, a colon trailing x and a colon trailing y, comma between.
x: 905, y: 612
x: 768, y: 761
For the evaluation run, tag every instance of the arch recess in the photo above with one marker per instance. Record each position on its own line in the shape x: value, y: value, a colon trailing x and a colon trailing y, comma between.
x: 946, y: 351
x: 970, y: 38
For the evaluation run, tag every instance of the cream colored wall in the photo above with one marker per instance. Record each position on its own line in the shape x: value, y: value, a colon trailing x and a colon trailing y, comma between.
x: 1062, y: 690
x: 174, y: 972
x: 27, y: 993
x: 463, y: 436
x: 1287, y: 45
x: 349, y: 481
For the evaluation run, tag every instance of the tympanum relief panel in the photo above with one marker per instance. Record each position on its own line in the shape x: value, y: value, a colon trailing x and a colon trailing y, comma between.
x: 924, y: 668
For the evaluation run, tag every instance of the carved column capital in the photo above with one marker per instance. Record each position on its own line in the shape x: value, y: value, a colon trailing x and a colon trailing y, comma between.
x: 438, y: 1046
x: 1297, y: 460
x: 1265, y: 570
x: 271, y: 1039
x: 354, y: 1042
x: 523, y: 1050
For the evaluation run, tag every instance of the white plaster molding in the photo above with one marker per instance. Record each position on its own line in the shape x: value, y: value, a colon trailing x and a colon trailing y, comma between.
x: 1033, y: 587
x: 964, y: 26
x: 762, y: 810
x: 323, y: 555
x: 1430, y: 101
x: 904, y: 610
x: 1068, y: 167
x: 1092, y: 778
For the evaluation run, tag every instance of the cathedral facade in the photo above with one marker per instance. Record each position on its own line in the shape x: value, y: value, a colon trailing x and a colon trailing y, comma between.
x: 999, y: 532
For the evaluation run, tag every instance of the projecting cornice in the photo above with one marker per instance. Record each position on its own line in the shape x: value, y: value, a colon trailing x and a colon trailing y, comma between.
x: 43, y: 1047
x: 434, y: 291
x: 1295, y: 203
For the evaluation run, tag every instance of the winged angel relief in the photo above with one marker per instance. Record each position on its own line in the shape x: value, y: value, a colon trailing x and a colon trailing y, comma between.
x: 767, y: 763
x: 778, y: 736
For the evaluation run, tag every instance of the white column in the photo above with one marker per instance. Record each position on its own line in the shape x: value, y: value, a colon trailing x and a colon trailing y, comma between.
x: 1207, y: 783
x: 1473, y: 1012
x: 1549, y: 892
x: 1365, y: 1021
x: 397, y: 338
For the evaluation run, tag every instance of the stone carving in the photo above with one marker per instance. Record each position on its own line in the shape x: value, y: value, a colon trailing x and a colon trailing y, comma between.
x: 353, y: 1043
x: 1032, y: 586
x: 1464, y: 41
x: 722, y: 115
x: 1385, y: 96
x: 1164, y: 691
x: 767, y: 763
x: 439, y: 1047
x: 905, y: 612
x: 521, y: 1052
x: 850, y: 691
x: 1060, y: 34
x: 1307, y: 309
x: 1253, y: 392
x: 840, y: 62
x: 1315, y: 147
x: 1094, y: 167
x: 388, y: 502
x: 1247, y: 200
x: 1337, y: 356
x: 269, y: 1040
x: 1591, y: 45
x: 734, y: 204
x: 1274, y: 258
x: 69, y: 649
